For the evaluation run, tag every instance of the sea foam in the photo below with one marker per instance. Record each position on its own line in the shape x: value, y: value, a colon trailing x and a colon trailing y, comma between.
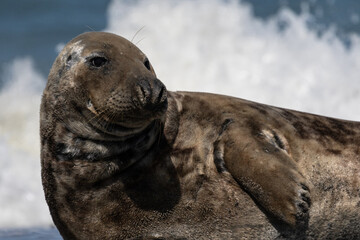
x: 22, y: 202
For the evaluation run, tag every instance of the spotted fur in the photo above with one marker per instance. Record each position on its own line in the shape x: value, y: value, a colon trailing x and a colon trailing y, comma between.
x: 122, y: 158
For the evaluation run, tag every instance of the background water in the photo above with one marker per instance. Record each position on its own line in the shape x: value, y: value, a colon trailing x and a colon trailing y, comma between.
x: 303, y: 55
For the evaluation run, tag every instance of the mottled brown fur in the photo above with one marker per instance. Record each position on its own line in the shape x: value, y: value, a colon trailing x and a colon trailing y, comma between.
x: 124, y: 159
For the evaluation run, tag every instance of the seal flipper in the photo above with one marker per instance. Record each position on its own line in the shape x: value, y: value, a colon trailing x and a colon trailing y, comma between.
x: 263, y: 166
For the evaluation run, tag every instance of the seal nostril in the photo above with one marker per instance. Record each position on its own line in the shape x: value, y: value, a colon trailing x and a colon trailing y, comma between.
x: 143, y: 92
x: 160, y: 96
x: 151, y: 93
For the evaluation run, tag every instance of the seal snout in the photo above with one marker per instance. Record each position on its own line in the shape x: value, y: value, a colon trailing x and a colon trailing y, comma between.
x: 151, y: 94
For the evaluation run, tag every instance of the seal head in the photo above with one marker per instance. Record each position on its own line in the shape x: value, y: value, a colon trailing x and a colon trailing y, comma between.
x: 109, y: 83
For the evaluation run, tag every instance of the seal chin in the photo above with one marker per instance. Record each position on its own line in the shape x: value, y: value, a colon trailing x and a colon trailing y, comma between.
x: 135, y: 116
x: 120, y: 127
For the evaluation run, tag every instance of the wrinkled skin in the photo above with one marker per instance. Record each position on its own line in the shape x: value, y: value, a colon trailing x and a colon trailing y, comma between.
x: 123, y: 158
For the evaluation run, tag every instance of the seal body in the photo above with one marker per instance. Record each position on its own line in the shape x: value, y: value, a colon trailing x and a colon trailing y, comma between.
x: 325, y: 149
x: 122, y: 158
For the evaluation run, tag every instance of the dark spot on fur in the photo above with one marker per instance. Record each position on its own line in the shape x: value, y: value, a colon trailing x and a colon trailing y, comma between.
x: 59, y: 147
x: 336, y: 133
x: 254, y: 126
x: 326, y: 186
x: 225, y: 125
x: 334, y: 151
x: 261, y: 109
x: 60, y: 153
x: 288, y: 115
x: 300, y: 128
x: 326, y: 130
x: 340, y: 126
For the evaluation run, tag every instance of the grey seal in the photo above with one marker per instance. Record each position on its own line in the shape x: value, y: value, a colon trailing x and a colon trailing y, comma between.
x: 123, y: 158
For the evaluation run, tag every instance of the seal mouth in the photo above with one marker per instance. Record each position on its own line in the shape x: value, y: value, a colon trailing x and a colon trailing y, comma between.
x: 130, y: 118
x: 101, y: 122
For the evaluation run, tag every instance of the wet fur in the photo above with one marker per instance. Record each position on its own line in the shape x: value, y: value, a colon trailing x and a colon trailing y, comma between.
x: 206, y: 166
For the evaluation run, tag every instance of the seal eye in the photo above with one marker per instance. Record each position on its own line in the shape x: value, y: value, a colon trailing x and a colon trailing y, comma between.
x: 98, y: 61
x: 147, y: 64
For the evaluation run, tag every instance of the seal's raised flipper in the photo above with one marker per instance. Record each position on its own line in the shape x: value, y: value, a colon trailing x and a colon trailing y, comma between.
x: 263, y: 166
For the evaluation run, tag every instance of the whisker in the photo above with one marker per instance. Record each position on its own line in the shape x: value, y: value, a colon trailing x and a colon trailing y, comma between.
x: 137, y: 33
x: 96, y: 116
x: 90, y: 28
x: 111, y: 116
x: 140, y: 40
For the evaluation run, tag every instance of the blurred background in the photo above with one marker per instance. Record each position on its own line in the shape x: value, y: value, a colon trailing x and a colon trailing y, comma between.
x: 302, y: 55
